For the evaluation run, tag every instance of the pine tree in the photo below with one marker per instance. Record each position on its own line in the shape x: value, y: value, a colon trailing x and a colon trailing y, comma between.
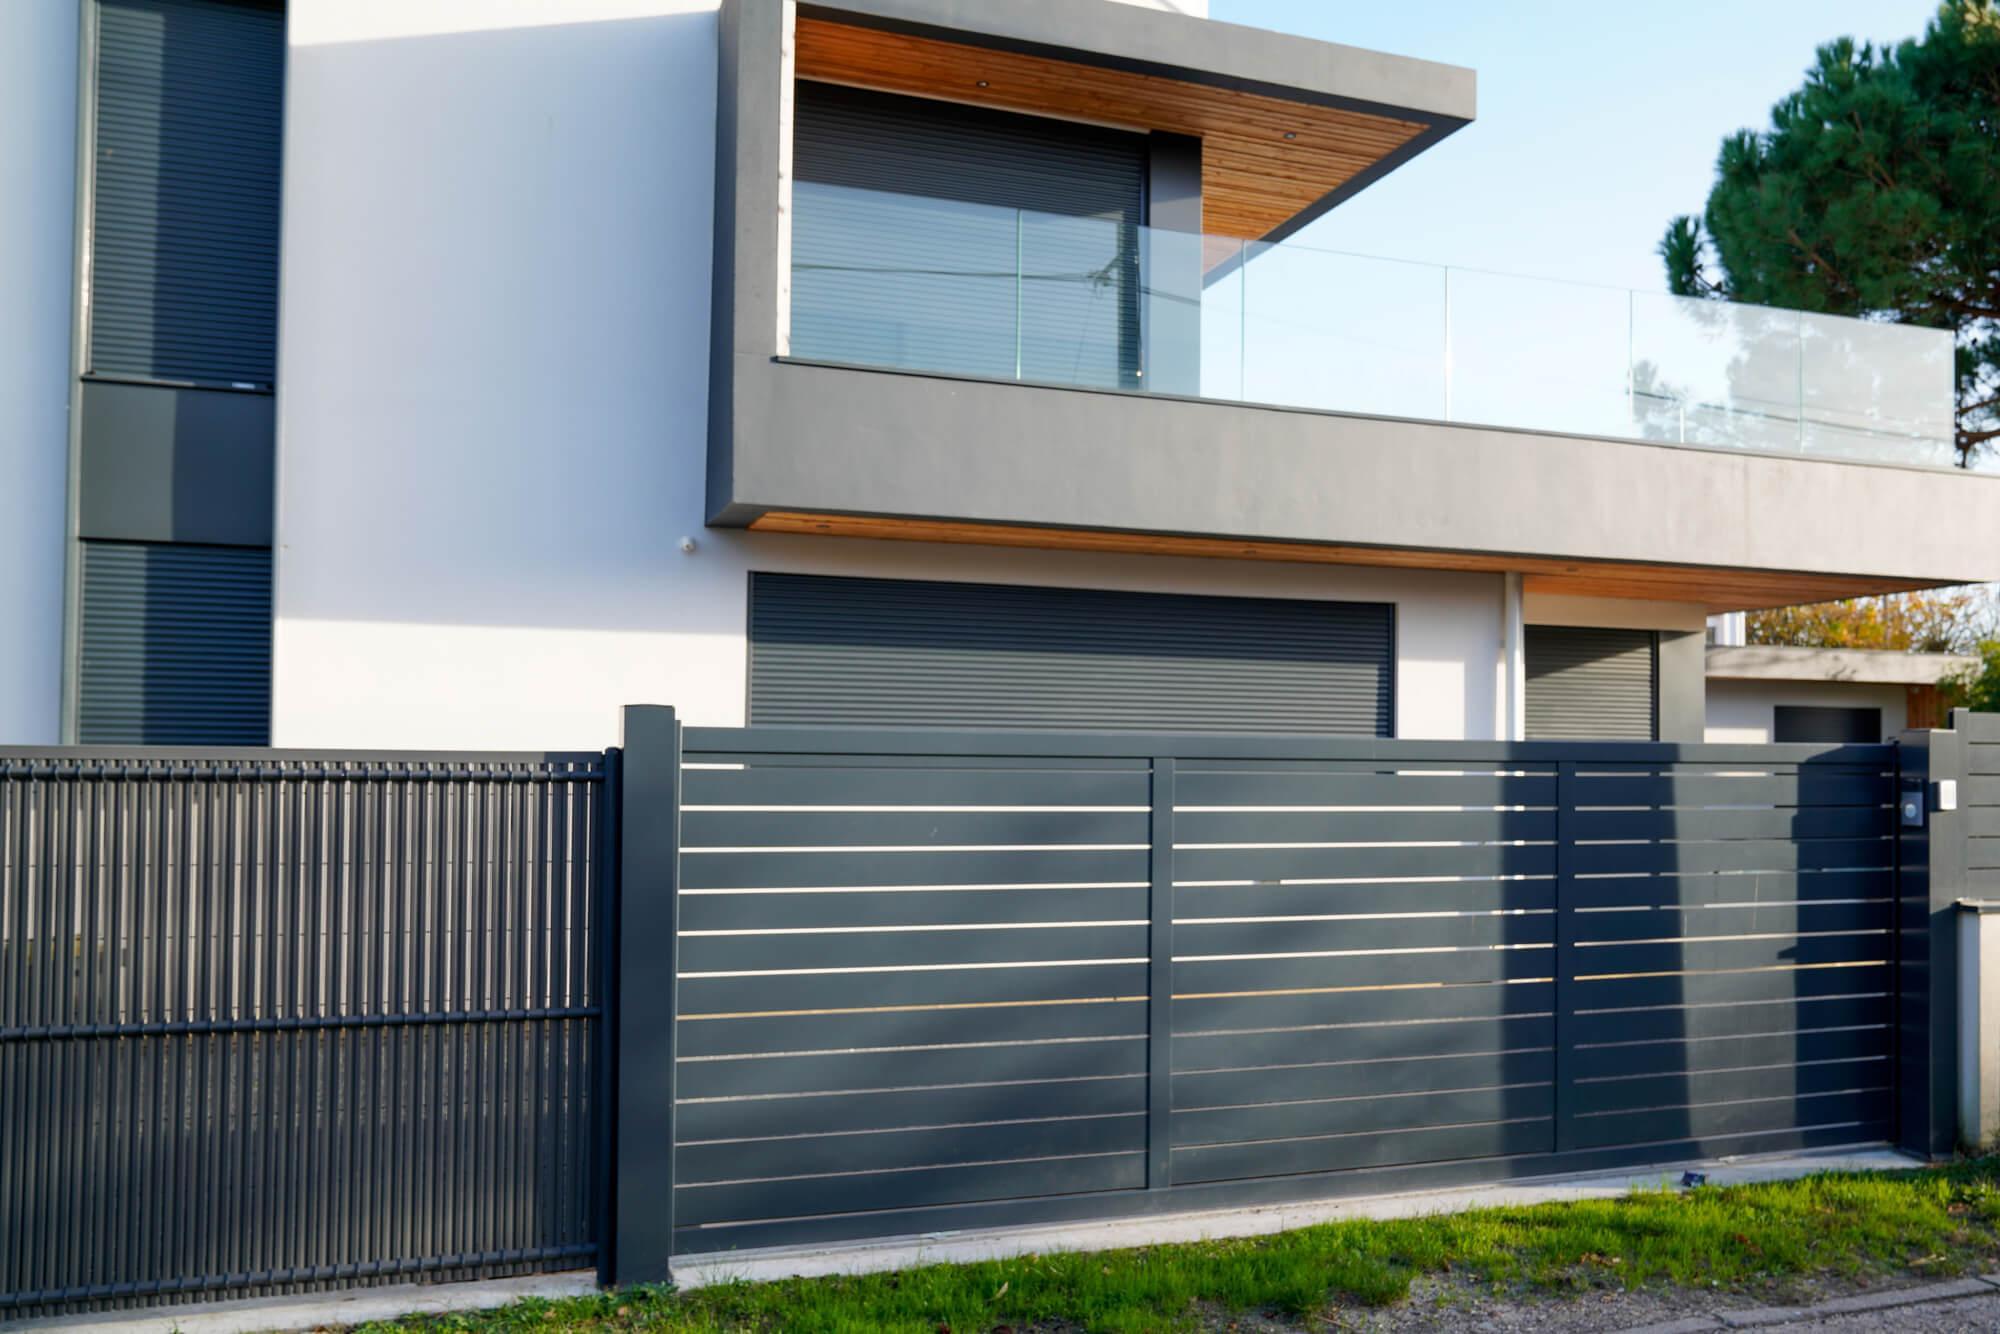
x: 1875, y: 193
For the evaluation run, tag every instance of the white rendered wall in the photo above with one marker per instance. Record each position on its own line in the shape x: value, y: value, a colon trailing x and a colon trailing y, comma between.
x: 38, y: 67
x: 1744, y: 712
x: 492, y: 400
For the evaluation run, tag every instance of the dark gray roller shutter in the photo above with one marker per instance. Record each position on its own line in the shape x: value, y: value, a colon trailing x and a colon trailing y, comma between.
x: 938, y: 237
x: 1591, y: 684
x: 1827, y: 723
x: 174, y: 645
x: 184, y: 222
x: 896, y: 652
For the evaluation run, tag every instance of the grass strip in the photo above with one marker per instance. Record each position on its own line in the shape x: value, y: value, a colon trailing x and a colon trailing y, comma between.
x: 1933, y: 1222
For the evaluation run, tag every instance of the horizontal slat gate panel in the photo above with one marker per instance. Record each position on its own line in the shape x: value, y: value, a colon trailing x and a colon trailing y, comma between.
x: 1360, y: 955
x: 1727, y: 962
x: 908, y: 983
x: 1636, y: 924
x: 901, y: 1109
x: 274, y: 1023
x: 1739, y: 887
x: 924, y: 906
x: 916, y: 985
x: 1222, y: 1162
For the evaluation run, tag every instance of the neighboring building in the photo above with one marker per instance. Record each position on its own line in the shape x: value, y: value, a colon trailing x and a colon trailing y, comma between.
x: 858, y: 361
x: 1759, y: 693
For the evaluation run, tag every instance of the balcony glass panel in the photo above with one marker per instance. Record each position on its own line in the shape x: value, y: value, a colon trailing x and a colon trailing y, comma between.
x: 902, y: 281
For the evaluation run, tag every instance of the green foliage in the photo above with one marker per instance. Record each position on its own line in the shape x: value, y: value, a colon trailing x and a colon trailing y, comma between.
x: 1919, y: 1224
x: 1952, y: 620
x: 1876, y: 192
x: 1980, y: 689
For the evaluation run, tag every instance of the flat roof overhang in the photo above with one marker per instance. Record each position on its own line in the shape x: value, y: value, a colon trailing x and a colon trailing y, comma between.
x: 842, y: 451
x: 1784, y: 662
x: 1289, y: 126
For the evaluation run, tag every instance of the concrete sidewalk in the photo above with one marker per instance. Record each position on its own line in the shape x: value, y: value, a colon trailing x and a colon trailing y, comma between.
x: 319, y: 1311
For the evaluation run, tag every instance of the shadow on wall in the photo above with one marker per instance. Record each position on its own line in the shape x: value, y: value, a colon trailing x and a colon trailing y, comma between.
x: 495, y: 314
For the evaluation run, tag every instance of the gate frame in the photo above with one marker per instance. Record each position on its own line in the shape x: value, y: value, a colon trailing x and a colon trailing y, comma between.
x: 655, y: 741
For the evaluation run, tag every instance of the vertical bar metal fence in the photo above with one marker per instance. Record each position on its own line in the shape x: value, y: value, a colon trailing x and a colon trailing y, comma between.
x: 272, y: 1021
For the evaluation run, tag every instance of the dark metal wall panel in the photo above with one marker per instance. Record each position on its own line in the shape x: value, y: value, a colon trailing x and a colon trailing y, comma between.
x: 1591, y: 684
x: 271, y: 1024
x: 174, y: 645
x: 184, y: 215
x: 892, y: 652
x: 1727, y: 945
x: 935, y: 236
x: 1362, y: 959
x: 163, y: 464
x: 906, y: 984
x: 932, y: 980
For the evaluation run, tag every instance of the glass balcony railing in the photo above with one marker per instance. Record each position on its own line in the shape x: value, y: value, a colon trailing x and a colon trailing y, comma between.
x: 882, y: 279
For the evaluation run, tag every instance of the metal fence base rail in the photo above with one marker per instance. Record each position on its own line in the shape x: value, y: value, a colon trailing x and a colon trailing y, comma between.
x: 274, y: 1021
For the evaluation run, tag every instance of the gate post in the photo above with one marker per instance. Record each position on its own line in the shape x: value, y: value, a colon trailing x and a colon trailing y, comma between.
x: 1160, y: 985
x: 1930, y: 879
x: 642, y: 1011
x: 1565, y: 965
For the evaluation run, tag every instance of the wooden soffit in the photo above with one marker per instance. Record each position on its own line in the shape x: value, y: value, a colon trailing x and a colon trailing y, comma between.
x: 1718, y: 590
x: 1265, y: 160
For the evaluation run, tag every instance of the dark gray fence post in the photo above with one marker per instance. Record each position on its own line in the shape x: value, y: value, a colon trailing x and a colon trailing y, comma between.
x: 1565, y: 993
x: 642, y: 1011
x: 1160, y: 977
x: 1931, y: 878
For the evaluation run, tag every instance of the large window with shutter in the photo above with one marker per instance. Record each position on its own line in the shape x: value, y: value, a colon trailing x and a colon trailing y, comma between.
x: 831, y: 651
x: 180, y: 311
x: 931, y: 236
x: 1590, y: 684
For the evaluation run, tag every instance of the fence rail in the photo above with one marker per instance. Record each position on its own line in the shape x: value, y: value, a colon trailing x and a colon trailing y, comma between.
x: 271, y: 1021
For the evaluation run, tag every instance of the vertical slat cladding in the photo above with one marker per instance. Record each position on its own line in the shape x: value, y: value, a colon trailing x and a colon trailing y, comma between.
x: 225, y: 987
x: 1362, y: 965
x: 184, y: 230
x: 1733, y: 951
x: 906, y: 984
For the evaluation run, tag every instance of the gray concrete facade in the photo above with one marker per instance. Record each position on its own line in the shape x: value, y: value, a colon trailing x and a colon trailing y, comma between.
x: 807, y: 437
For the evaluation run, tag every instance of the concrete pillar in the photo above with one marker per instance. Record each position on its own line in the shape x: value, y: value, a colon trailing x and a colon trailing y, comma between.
x: 1979, y: 1023
x: 38, y: 105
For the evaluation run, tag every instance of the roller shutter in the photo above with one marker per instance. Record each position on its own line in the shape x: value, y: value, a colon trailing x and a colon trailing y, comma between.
x: 174, y: 645
x: 938, y: 237
x: 891, y: 652
x: 1592, y: 684
x: 184, y: 218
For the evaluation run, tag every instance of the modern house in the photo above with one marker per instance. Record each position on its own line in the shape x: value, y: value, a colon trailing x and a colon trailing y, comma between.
x: 1759, y: 693
x: 445, y: 373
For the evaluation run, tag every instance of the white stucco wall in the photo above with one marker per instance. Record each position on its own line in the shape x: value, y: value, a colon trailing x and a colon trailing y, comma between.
x: 1743, y: 712
x: 38, y: 69
x: 492, y: 400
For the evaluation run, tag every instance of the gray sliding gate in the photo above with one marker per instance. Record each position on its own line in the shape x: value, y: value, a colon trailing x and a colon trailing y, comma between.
x: 932, y: 980
x: 272, y: 1020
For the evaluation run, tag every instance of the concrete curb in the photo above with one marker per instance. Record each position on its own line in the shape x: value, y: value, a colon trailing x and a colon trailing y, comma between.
x: 356, y: 1306
x: 1764, y: 1317
x: 973, y: 1245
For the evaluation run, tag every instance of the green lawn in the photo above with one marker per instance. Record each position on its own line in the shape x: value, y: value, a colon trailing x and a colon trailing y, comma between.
x: 1934, y: 1222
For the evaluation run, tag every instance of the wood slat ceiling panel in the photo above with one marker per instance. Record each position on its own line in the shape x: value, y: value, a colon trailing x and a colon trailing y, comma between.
x: 1718, y: 589
x: 1253, y: 177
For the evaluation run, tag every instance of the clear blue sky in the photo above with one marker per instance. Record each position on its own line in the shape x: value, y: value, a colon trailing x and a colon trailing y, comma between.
x: 1597, y: 121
